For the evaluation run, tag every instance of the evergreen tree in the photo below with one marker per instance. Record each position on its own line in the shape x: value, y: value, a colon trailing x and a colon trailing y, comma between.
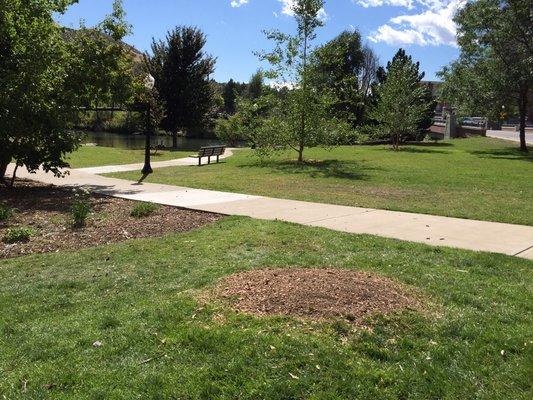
x: 403, y: 103
x: 255, y: 86
x: 426, y: 96
x: 230, y: 97
x: 182, y: 70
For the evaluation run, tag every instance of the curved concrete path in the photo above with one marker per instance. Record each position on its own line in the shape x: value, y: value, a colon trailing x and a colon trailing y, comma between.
x: 515, y: 240
x: 158, y: 164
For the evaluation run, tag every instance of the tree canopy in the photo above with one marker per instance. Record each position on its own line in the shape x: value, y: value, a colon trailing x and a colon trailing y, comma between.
x: 182, y: 70
x: 301, y: 119
x: 47, y: 73
x: 35, y: 103
x: 496, y: 61
x: 403, y: 103
x: 346, y: 69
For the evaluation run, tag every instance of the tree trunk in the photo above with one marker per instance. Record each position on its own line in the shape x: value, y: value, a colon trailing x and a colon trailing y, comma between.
x: 14, y: 176
x: 301, y: 153
x: 522, y: 107
x: 3, y: 169
x: 5, y: 159
x: 175, y: 140
x: 303, y: 105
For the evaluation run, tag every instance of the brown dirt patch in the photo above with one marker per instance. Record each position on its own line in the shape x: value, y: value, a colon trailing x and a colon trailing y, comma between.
x: 46, y: 209
x: 315, y: 293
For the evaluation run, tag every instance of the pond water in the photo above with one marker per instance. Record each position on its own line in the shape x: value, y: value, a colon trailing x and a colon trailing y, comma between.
x: 136, y: 142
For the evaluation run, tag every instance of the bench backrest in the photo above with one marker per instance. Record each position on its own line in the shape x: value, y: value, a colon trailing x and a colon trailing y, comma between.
x: 211, y: 151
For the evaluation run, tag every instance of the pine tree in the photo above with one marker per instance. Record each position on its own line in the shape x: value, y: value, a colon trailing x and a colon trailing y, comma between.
x: 182, y: 70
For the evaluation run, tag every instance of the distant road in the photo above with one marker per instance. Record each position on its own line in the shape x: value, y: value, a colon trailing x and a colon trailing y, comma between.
x: 510, y: 135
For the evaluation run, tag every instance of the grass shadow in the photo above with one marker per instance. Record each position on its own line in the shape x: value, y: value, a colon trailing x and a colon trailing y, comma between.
x: 343, y: 169
x: 421, y: 150
x: 429, y: 144
x: 504, y: 154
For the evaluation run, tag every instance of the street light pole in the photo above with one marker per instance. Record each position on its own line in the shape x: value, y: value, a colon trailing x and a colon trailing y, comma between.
x: 149, y: 83
x: 147, y: 169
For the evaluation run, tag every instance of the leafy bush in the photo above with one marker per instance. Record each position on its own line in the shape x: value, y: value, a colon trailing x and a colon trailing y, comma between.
x: 6, y: 212
x: 80, y: 210
x: 230, y: 130
x: 18, y: 234
x: 143, y: 210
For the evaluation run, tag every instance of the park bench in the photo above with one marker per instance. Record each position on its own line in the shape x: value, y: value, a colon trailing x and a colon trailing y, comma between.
x: 210, y: 151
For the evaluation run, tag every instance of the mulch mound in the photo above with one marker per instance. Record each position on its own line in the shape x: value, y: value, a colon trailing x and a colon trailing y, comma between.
x: 46, y: 209
x: 315, y: 293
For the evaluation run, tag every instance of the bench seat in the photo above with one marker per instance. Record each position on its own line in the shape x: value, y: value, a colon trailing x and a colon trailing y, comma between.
x: 210, y: 151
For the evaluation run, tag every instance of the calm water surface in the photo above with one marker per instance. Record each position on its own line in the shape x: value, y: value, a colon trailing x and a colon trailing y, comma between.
x: 136, y: 142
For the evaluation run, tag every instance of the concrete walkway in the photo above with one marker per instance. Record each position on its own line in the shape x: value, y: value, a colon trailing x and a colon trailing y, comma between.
x: 511, y: 136
x: 494, y: 237
x: 159, y: 164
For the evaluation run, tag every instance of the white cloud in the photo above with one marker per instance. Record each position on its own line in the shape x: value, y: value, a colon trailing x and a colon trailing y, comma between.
x: 238, y: 3
x: 433, y: 26
x: 288, y: 7
x: 378, y: 3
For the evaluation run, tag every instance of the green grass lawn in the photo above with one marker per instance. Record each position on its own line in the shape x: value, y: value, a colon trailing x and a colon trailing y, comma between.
x: 87, y: 156
x: 476, y: 178
x: 140, y: 300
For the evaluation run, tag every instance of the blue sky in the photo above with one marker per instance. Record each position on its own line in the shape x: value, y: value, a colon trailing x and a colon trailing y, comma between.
x: 233, y: 27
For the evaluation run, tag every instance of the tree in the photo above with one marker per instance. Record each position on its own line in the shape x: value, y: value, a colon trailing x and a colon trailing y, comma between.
x: 402, y: 101
x: 35, y: 103
x: 426, y: 97
x: 282, y: 129
x: 255, y: 86
x: 46, y: 75
x: 346, y: 69
x: 182, y: 70
x: 496, y: 42
x: 230, y: 97
x: 290, y: 67
x: 103, y: 67
x: 230, y: 130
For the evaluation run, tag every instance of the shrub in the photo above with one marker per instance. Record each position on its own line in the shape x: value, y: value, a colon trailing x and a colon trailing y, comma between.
x: 18, y: 234
x: 143, y: 210
x: 6, y: 212
x: 80, y: 210
x: 230, y: 130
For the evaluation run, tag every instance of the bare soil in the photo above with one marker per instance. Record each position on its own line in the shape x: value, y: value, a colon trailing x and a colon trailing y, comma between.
x: 316, y: 294
x: 46, y: 209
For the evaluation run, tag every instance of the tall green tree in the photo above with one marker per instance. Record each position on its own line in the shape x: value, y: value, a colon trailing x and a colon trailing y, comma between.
x: 254, y: 88
x: 290, y: 66
x: 347, y: 69
x: 230, y: 97
x: 403, y: 102
x: 496, y: 41
x: 427, y: 98
x: 182, y: 70
x: 35, y: 103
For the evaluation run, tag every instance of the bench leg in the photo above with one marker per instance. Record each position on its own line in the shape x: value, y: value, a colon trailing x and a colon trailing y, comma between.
x: 217, y: 159
x: 209, y: 159
x: 199, y: 161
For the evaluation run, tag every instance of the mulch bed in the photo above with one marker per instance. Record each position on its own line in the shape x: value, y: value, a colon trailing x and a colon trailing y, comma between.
x: 316, y: 294
x: 46, y: 209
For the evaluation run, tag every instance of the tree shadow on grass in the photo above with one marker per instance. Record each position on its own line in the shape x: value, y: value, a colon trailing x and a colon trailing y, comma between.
x: 509, y: 153
x: 343, y: 169
x: 421, y: 150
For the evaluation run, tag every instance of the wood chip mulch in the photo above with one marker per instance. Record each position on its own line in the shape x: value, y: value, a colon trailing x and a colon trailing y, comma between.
x: 315, y: 294
x: 46, y: 209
